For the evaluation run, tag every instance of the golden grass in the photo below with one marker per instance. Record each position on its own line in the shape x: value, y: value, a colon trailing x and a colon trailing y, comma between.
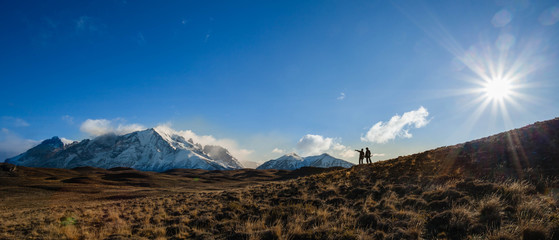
x: 280, y: 211
x: 457, y: 192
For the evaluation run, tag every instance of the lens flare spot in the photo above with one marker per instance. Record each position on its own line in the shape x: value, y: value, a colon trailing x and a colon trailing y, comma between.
x: 501, y: 18
x: 550, y: 16
x: 505, y: 41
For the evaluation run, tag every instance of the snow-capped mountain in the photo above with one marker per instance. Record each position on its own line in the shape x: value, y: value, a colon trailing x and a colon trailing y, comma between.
x: 293, y: 161
x: 154, y: 149
x: 289, y: 162
x: 325, y: 161
x: 222, y: 154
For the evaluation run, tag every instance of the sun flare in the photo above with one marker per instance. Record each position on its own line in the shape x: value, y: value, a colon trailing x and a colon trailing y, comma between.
x: 497, y: 89
x: 500, y: 82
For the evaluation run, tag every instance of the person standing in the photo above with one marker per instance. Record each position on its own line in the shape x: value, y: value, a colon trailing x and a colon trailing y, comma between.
x: 368, y: 155
x: 361, y: 155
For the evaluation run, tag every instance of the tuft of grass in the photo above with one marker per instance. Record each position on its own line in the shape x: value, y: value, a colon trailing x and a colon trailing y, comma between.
x: 490, y: 211
x: 534, y: 232
x: 367, y: 221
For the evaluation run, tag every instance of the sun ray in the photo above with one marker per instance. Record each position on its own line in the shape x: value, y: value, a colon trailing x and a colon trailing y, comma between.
x: 499, y: 68
x: 476, y: 115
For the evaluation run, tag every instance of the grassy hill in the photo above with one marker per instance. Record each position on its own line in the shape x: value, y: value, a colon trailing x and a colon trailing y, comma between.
x: 500, y: 187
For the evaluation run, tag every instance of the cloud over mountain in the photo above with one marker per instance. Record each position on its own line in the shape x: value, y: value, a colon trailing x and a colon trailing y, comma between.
x: 12, y: 144
x: 14, y: 121
x: 398, y: 126
x: 97, y: 127
x: 231, y: 145
x: 316, y: 144
x: 277, y: 150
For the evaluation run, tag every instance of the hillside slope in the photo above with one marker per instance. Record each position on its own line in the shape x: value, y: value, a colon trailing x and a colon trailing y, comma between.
x: 520, y: 153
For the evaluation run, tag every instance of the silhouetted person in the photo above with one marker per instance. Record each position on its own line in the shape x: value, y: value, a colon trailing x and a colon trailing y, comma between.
x: 361, y: 155
x: 368, y: 155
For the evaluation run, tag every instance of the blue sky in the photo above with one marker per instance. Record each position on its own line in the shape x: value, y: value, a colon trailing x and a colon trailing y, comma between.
x: 270, y: 77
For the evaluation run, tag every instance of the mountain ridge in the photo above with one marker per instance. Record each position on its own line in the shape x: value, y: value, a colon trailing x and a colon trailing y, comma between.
x: 152, y: 149
x: 292, y: 161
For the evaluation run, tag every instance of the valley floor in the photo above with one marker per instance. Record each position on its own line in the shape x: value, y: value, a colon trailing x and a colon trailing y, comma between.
x: 364, y: 202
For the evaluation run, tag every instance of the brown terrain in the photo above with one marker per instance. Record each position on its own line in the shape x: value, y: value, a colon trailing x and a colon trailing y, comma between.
x: 500, y: 187
x: 24, y: 187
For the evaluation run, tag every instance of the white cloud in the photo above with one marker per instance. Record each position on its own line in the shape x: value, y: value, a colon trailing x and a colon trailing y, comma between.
x: 14, y: 121
x: 90, y: 25
x: 250, y: 164
x: 68, y: 119
x: 12, y: 144
x: 277, y: 150
x: 398, y: 126
x: 97, y: 127
x: 347, y: 153
x: 311, y: 144
x: 341, y: 97
x: 140, y: 39
x: 21, y: 123
x: 82, y: 22
x: 314, y: 144
x: 229, y: 144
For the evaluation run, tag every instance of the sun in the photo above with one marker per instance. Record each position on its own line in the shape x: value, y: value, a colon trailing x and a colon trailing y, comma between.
x: 497, y: 89
x: 499, y: 85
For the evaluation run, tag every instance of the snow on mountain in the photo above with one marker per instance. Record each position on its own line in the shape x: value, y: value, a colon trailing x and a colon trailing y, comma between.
x: 289, y: 162
x: 250, y: 164
x: 324, y: 160
x: 293, y: 161
x: 46, y: 149
x: 152, y: 149
x: 222, y: 154
x: 66, y: 141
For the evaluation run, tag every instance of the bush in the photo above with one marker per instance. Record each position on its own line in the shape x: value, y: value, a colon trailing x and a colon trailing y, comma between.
x: 513, y: 192
x: 327, y: 194
x: 414, y: 203
x: 368, y: 220
x: 357, y: 193
x: 454, y: 223
x: 450, y: 195
x: 477, y: 189
x: 269, y: 235
x: 490, y: 211
x: 534, y: 233
x: 439, y: 205
x: 238, y: 236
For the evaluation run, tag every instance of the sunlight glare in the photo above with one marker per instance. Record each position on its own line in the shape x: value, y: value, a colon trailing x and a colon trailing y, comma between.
x: 497, y: 89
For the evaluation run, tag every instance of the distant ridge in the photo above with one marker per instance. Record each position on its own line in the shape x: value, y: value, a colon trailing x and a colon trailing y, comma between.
x: 154, y: 149
x: 293, y: 161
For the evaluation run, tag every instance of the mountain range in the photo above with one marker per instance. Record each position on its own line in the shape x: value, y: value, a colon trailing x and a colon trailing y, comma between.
x: 293, y: 161
x: 153, y: 149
